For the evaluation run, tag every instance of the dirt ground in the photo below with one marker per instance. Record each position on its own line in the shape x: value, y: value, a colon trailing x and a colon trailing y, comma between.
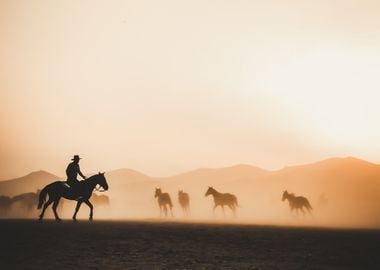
x: 29, y: 244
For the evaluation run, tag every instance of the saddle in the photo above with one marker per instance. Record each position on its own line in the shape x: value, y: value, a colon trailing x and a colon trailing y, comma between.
x: 72, y: 190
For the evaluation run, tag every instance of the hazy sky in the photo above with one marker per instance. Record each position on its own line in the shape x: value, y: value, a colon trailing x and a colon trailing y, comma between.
x: 167, y: 86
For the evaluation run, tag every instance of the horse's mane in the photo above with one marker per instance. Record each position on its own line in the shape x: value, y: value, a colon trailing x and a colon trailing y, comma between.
x: 90, y: 178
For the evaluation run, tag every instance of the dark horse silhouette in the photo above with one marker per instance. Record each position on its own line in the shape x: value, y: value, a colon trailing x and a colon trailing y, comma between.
x: 296, y: 202
x: 81, y: 193
x: 5, y: 205
x: 222, y: 199
x: 163, y: 200
x: 28, y: 201
x: 184, y: 201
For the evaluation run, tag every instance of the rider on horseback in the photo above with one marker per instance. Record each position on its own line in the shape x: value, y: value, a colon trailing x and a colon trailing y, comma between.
x: 72, y: 172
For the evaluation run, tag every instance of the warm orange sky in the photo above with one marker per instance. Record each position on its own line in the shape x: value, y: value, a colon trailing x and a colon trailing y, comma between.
x: 167, y: 86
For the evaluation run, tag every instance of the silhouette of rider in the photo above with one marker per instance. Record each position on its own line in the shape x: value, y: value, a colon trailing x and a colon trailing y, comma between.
x: 72, y: 172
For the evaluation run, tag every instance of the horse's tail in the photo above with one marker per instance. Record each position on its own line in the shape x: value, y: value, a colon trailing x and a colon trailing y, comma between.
x: 308, y: 205
x: 42, y: 197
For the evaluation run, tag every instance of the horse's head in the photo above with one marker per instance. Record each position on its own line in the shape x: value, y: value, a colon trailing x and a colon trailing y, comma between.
x: 101, y: 180
x: 209, y: 191
x: 158, y: 192
x: 285, y: 195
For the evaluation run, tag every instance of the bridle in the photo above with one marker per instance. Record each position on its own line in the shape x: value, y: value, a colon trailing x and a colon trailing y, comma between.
x: 99, y: 189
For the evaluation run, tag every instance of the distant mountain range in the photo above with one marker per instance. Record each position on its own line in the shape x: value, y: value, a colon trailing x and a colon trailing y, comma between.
x: 334, y: 170
x: 342, y: 191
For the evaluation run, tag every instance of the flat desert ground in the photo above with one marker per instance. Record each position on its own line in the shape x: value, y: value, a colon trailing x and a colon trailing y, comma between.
x: 29, y: 244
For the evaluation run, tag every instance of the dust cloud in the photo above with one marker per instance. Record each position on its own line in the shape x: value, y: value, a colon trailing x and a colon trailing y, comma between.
x: 342, y: 193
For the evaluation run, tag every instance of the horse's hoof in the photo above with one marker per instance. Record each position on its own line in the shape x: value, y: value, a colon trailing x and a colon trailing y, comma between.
x: 75, y: 220
x: 90, y: 219
x: 58, y: 220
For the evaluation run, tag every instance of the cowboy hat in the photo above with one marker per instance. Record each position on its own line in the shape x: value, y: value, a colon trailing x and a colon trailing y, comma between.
x: 75, y: 157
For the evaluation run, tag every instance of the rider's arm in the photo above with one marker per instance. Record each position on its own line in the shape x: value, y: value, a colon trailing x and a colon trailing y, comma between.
x: 81, y: 174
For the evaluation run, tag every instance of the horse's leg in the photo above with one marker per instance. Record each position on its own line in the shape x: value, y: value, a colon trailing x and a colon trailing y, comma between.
x: 303, y: 211
x: 232, y: 207
x: 55, y: 204
x: 171, y: 210
x: 213, y: 210
x: 165, y: 210
x: 160, y: 210
x: 309, y: 210
x: 224, y: 213
x: 76, y: 210
x: 44, y: 208
x: 91, y: 208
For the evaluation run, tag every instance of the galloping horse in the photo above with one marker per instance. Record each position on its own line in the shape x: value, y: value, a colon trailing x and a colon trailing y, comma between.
x: 296, y: 202
x: 184, y: 201
x: 163, y: 200
x: 222, y: 199
x: 82, y: 193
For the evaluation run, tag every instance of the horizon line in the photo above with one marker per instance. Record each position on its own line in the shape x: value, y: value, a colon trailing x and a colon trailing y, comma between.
x: 210, y: 168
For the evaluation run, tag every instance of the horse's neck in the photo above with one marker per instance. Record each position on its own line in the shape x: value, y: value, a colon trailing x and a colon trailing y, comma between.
x: 91, y: 183
x: 215, y: 194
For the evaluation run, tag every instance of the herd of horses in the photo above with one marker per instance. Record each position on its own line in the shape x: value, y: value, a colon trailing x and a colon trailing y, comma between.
x: 296, y: 203
x: 52, y: 194
x: 25, y: 201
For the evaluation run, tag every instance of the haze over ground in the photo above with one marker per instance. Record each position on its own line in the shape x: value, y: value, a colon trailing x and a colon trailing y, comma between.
x: 165, y: 87
x: 344, y: 192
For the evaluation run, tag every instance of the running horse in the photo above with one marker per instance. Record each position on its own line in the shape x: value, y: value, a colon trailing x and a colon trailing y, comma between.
x: 163, y: 200
x: 81, y: 193
x: 296, y: 202
x: 184, y: 201
x: 222, y: 199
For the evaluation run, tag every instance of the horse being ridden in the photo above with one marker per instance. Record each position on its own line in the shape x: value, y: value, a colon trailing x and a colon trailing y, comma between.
x: 163, y: 200
x: 222, y: 199
x: 82, y: 194
x: 296, y: 202
x: 184, y: 201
